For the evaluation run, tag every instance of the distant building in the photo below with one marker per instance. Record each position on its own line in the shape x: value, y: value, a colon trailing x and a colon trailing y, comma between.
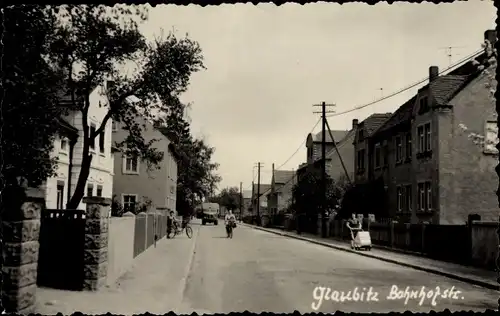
x: 280, y: 194
x: 260, y: 196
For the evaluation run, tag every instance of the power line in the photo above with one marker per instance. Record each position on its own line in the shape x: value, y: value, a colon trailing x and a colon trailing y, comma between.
x: 381, y: 99
x: 407, y: 88
x: 300, y: 146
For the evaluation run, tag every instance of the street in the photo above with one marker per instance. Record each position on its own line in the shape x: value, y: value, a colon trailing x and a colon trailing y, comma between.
x: 259, y: 271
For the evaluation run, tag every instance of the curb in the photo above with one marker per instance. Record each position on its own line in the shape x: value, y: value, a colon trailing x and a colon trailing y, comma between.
x: 488, y: 285
x: 187, y: 270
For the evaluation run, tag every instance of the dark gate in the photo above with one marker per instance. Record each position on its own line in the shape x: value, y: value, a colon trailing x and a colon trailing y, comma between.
x: 60, y: 261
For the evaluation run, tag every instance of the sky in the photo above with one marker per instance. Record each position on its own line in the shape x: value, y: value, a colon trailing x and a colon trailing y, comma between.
x: 267, y: 65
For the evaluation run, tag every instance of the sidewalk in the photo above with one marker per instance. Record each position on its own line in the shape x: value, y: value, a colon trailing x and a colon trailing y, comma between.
x: 154, y: 284
x: 476, y: 276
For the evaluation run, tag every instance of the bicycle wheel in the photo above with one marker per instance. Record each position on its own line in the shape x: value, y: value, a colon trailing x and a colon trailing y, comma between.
x: 189, y: 232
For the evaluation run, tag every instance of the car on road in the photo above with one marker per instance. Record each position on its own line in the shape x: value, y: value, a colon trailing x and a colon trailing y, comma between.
x: 210, y: 217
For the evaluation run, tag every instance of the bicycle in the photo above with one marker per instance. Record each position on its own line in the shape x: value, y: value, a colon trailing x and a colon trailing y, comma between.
x: 176, y: 231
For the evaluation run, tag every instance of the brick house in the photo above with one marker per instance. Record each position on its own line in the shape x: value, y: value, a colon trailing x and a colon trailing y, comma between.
x: 135, y: 184
x: 282, y: 183
x: 433, y: 172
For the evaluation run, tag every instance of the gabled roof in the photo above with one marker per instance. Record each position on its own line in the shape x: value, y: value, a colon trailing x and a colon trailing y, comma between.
x: 443, y: 89
x: 446, y: 87
x: 373, y: 122
x: 282, y: 176
x: 263, y: 188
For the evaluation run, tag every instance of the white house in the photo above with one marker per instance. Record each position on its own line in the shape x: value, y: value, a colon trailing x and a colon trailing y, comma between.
x: 69, y: 152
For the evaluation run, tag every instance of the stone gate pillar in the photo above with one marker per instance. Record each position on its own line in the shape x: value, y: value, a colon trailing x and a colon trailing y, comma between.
x: 96, y: 242
x: 21, y: 229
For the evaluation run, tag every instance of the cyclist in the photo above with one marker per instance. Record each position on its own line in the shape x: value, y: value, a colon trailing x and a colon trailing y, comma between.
x: 230, y: 222
x: 172, y: 222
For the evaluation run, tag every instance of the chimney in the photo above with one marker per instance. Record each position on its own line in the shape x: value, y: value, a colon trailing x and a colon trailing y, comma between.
x: 491, y: 36
x: 355, y: 123
x: 433, y: 73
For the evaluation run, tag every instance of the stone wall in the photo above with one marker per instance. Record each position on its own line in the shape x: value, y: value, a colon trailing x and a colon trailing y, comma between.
x: 96, y: 242
x: 21, y: 228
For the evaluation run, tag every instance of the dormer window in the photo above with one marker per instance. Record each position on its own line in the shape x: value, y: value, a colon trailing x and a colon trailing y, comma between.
x: 423, y: 105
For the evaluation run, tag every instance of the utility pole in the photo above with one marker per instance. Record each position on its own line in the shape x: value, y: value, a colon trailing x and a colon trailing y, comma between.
x: 258, y: 193
x: 272, y: 193
x: 241, y: 198
x: 323, y: 166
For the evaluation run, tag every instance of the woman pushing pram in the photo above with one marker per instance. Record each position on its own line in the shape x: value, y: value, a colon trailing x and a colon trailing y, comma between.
x: 359, y: 238
x: 354, y: 226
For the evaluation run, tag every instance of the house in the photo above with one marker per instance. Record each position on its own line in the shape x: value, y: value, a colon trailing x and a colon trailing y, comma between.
x: 247, y: 202
x: 313, y: 145
x: 135, y: 184
x: 363, y: 133
x: 431, y: 168
x: 259, y: 196
x: 340, y: 159
x: 280, y: 194
x: 68, y: 148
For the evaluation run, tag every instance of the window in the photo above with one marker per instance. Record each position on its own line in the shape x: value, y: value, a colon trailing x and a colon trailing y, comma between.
x: 101, y: 142
x: 408, y: 195
x: 399, y: 149
x: 90, y: 189
x: 361, y: 159
x: 92, y: 130
x: 377, y: 156
x: 99, y: 191
x: 421, y: 197
x: 428, y: 137
x: 399, y: 191
x: 60, y: 195
x: 421, y: 139
x: 424, y: 105
x: 408, y: 146
x: 131, y: 165
x: 386, y: 155
x: 428, y: 196
x: 64, y: 144
x: 129, y: 202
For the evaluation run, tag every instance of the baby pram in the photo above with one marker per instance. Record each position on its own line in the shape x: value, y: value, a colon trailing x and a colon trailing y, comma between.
x: 362, y: 240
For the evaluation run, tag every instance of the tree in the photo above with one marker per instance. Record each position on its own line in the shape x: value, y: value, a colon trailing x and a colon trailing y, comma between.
x: 91, y: 45
x: 228, y: 197
x: 308, y: 195
x: 30, y: 105
x: 196, y: 172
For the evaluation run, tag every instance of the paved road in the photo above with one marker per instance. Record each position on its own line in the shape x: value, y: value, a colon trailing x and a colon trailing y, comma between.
x: 259, y: 271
